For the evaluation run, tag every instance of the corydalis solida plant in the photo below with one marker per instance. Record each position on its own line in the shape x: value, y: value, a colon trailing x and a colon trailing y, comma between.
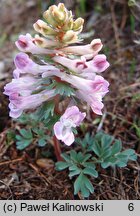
x: 76, y: 69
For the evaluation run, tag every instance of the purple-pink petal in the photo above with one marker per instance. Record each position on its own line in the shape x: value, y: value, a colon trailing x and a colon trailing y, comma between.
x: 100, y: 63
x: 69, y: 139
x: 58, y: 128
x: 22, y: 60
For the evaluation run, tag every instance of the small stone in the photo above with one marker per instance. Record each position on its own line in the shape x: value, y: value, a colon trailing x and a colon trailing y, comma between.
x: 45, y: 163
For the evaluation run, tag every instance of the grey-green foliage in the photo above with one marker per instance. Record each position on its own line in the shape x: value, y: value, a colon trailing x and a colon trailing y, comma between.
x: 108, y: 151
x: 37, y: 125
x: 24, y: 139
x: 28, y: 136
x: 61, y: 88
x: 78, y: 164
x: 103, y: 150
x: 44, y: 113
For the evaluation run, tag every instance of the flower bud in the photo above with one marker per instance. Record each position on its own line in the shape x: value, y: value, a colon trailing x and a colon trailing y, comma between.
x: 61, y: 7
x: 43, y: 42
x: 54, y: 16
x: 68, y: 25
x: 70, y: 37
x: 40, y: 41
x: 61, y: 25
x: 59, y: 16
x: 60, y: 13
x: 78, y: 24
x: 42, y: 27
x: 39, y: 25
x: 48, y: 17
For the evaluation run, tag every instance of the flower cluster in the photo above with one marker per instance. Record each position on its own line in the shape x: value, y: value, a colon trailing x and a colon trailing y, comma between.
x: 79, y: 67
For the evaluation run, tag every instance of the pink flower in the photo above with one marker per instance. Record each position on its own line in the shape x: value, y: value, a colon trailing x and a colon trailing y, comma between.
x: 21, y: 92
x: 22, y: 61
x: 26, y: 65
x: 90, y: 91
x: 98, y: 63
x: 16, y: 73
x: 87, y: 86
x: 20, y: 103
x: 23, y: 86
x: 70, y: 119
x: 86, y: 69
x: 88, y: 51
x: 25, y: 43
x: 94, y: 97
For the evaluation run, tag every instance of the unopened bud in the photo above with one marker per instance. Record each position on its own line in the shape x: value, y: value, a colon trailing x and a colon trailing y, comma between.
x: 61, y: 7
x: 70, y: 37
x: 39, y: 41
x: 45, y: 43
x: 68, y: 25
x: 78, y: 24
x: 48, y: 17
x: 42, y: 27
x: 61, y: 25
x: 58, y: 16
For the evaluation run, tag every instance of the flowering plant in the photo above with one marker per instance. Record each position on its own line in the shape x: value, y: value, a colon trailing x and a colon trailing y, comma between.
x: 78, y: 67
x: 52, y: 74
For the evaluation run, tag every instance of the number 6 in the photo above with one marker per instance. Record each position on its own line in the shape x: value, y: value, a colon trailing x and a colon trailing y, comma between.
x: 131, y: 207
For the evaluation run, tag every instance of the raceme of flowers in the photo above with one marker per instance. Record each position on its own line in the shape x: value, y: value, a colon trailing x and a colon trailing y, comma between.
x: 80, y: 67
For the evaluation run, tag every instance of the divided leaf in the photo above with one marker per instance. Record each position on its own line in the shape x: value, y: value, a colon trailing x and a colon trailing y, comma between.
x: 90, y: 171
x: 24, y: 139
x: 61, y: 88
x: 45, y: 111
x: 83, y: 184
x: 61, y: 165
x: 107, y: 150
x: 79, y: 164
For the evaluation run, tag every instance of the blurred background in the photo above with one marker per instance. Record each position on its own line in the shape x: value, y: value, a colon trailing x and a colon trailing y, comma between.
x: 117, y: 24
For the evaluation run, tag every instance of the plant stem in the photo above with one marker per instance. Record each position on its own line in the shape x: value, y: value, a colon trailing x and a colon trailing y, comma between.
x: 57, y: 149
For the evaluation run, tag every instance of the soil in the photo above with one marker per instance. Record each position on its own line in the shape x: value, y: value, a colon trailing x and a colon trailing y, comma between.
x: 27, y: 174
